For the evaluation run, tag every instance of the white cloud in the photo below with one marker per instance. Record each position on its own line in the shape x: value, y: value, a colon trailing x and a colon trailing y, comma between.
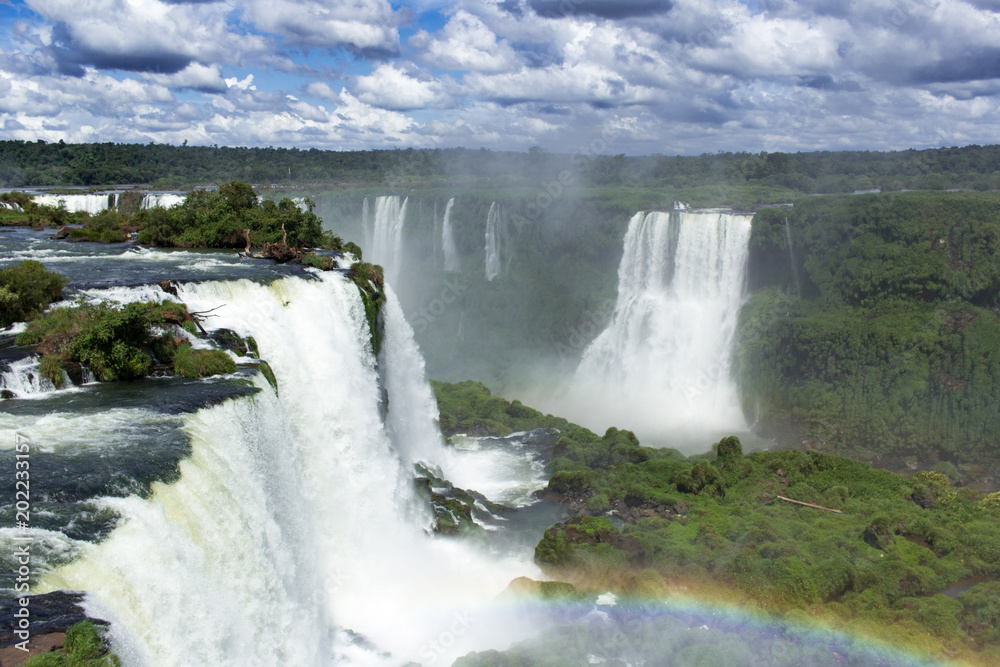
x: 195, y: 76
x: 391, y: 87
x: 705, y: 75
x: 142, y: 35
x: 245, y: 84
x: 364, y: 25
x: 465, y: 43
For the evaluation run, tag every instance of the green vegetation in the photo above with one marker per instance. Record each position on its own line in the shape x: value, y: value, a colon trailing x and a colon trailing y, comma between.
x: 893, y: 348
x: 119, y: 342
x: 108, y: 226
x: 649, y: 521
x: 469, y: 407
x: 370, y: 282
x: 25, y: 289
x: 882, y: 563
x: 220, y: 218
x: 39, y: 163
x: 85, y: 647
x: 192, y: 363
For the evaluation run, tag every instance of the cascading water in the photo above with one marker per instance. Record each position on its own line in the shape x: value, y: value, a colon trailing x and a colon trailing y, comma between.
x: 497, y: 242
x: 662, y: 366
x: 23, y: 379
x: 451, y: 261
x: 294, y: 534
x: 90, y: 203
x: 791, y: 259
x: 162, y: 200
x: 384, y: 233
x: 95, y: 203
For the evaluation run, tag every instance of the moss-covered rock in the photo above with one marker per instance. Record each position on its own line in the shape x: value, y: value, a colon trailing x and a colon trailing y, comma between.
x: 370, y: 281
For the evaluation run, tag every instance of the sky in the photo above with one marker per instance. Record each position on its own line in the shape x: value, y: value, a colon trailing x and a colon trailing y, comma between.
x: 674, y: 77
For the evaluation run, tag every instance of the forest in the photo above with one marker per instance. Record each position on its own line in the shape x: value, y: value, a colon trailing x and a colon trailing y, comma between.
x: 762, y: 176
x: 878, y: 331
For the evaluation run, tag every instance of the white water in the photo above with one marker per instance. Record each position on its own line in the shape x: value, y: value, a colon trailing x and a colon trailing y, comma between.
x: 384, y: 233
x: 451, y: 260
x: 662, y: 367
x: 497, y: 243
x: 163, y: 200
x: 95, y: 203
x: 295, y: 517
x: 91, y: 203
x: 24, y: 380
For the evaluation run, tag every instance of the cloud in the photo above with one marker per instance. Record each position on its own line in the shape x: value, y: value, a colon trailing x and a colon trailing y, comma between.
x: 245, y: 84
x: 393, y: 87
x: 671, y: 77
x: 204, y: 78
x: 365, y: 26
x: 609, y: 9
x: 464, y: 43
x: 134, y: 36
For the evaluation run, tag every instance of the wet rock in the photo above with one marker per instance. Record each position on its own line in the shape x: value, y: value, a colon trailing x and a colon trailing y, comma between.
x: 168, y: 286
x: 50, y: 612
x: 230, y: 340
x: 63, y: 233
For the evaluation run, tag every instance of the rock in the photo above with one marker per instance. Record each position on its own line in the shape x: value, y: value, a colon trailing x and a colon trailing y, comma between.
x: 230, y: 340
x: 168, y: 286
x: 75, y: 372
x: 37, y: 645
x: 54, y: 344
x: 877, y: 535
x: 63, y: 233
x: 52, y: 612
x: 6, y: 394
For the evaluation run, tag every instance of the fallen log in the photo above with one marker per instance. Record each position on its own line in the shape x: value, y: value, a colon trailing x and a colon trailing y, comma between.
x: 799, y: 502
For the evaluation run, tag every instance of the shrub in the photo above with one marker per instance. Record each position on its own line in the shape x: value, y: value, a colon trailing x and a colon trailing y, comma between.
x: 25, y: 289
x: 317, y: 261
x: 115, y: 343
x: 192, y: 363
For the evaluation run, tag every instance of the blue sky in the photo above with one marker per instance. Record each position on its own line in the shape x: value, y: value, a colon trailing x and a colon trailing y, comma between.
x: 639, y: 76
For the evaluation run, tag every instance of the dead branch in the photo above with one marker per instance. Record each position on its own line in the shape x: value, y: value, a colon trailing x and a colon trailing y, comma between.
x: 799, y: 502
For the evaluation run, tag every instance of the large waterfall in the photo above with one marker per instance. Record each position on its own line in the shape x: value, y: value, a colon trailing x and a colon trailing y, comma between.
x: 95, y: 203
x: 384, y: 233
x: 451, y: 261
x: 662, y: 366
x: 497, y: 242
x: 294, y: 535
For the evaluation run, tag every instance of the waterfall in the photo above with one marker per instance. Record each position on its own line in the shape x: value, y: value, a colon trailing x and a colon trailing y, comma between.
x: 163, y: 200
x: 90, y: 203
x: 23, y: 378
x: 662, y: 365
x: 384, y: 233
x: 451, y: 261
x: 497, y: 242
x: 294, y: 534
x: 95, y: 203
x: 791, y: 259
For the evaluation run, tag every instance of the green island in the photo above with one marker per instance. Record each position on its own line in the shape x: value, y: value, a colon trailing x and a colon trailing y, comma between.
x: 648, y: 524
